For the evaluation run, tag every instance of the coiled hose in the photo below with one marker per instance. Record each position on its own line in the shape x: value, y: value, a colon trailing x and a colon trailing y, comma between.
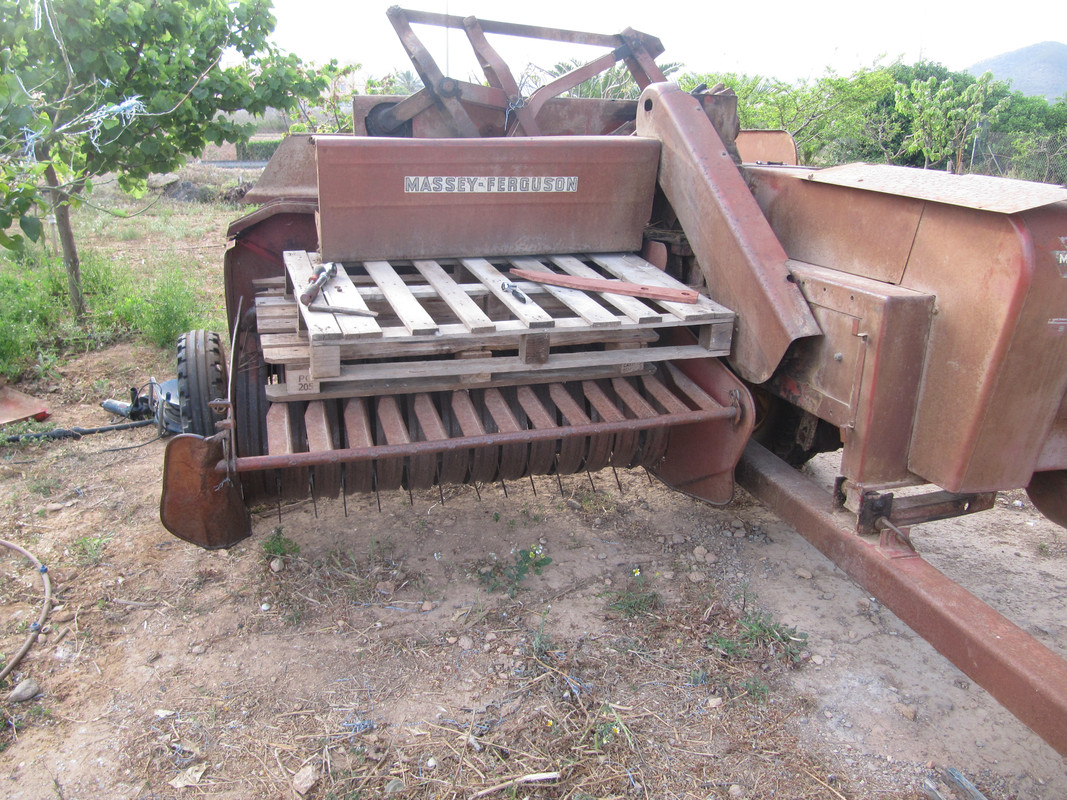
x: 35, y: 628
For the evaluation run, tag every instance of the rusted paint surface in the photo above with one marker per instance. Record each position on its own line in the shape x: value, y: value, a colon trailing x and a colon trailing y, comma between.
x: 555, y: 117
x: 1054, y: 453
x: 980, y: 192
x: 198, y: 504
x: 1048, y: 492
x: 863, y: 374
x: 648, y: 43
x: 260, y: 240
x: 289, y: 173
x: 700, y: 458
x: 743, y: 263
x: 996, y: 369
x: 862, y: 233
x: 482, y: 196
x: 767, y: 147
x: 474, y: 442
x: 1021, y: 673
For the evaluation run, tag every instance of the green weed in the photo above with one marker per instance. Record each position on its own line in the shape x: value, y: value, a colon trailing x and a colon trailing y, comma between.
x: 37, y: 328
x: 756, y: 690
x: 611, y: 729
x: 726, y: 647
x: 699, y: 677
x: 781, y: 641
x: 541, y: 645
x: 277, y: 545
x: 89, y: 550
x: 634, y: 602
x: 508, y: 577
x: 44, y: 486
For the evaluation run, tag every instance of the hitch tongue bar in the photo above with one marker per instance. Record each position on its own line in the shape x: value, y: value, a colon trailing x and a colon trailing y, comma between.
x: 1023, y: 675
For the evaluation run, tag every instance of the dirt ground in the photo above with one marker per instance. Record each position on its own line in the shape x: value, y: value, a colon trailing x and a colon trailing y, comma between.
x: 431, y: 649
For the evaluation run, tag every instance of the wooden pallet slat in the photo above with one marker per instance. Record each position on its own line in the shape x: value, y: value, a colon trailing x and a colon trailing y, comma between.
x: 406, y: 349
x: 632, y: 307
x: 531, y: 314
x: 579, y: 302
x: 456, y: 297
x: 629, y: 267
x: 406, y: 306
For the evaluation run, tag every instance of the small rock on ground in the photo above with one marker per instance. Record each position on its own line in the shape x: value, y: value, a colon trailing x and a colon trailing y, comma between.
x: 305, y: 779
x: 26, y: 690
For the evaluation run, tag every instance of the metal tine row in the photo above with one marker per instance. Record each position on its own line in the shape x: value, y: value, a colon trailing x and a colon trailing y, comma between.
x: 365, y: 422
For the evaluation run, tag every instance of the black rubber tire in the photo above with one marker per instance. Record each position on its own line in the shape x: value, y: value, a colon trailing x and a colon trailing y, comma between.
x: 777, y: 423
x: 201, y: 379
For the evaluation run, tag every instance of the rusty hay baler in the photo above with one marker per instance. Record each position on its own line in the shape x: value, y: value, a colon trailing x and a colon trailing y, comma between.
x: 721, y: 310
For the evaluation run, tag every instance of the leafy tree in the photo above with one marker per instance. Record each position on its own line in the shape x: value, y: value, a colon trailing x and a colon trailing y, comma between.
x: 398, y: 82
x: 825, y: 117
x: 331, y: 112
x: 19, y: 195
x: 945, y: 118
x: 131, y: 87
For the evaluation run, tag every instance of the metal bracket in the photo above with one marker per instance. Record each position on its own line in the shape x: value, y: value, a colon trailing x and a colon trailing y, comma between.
x: 875, y: 510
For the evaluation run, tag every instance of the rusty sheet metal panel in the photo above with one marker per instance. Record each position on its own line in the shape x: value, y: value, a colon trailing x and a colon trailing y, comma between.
x: 701, y: 457
x: 198, y: 504
x: 1023, y: 675
x: 400, y: 198
x: 997, y: 362
x: 982, y: 192
x: 863, y: 233
x: 863, y: 373
x: 290, y: 173
x: 1054, y: 453
x: 741, y: 258
x: 767, y: 147
x: 569, y: 117
x: 260, y: 238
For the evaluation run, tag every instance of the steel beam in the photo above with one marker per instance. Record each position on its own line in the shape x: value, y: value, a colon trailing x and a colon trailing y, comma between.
x: 1023, y: 675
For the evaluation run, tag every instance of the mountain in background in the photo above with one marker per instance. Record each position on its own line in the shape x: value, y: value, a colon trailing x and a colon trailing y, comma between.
x: 1040, y: 69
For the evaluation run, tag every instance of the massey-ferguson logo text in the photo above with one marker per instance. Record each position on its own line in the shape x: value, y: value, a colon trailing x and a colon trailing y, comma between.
x: 486, y: 184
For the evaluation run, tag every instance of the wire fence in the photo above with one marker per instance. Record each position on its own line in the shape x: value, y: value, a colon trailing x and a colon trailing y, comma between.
x: 1032, y: 157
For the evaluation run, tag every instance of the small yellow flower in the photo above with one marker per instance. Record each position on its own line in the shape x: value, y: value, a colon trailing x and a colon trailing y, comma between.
x: 550, y: 723
x: 637, y: 572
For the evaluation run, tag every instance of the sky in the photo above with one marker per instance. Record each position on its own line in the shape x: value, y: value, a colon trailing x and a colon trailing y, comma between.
x: 785, y: 40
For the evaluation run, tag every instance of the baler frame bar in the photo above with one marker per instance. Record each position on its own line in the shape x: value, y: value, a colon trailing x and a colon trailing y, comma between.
x: 1024, y: 676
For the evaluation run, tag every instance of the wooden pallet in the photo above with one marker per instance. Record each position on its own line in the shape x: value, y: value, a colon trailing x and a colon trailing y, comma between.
x: 451, y: 324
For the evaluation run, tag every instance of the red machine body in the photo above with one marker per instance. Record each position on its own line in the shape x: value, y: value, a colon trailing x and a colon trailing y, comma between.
x: 917, y: 321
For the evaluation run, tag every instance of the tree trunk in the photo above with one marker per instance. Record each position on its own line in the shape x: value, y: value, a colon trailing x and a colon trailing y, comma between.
x: 61, y: 209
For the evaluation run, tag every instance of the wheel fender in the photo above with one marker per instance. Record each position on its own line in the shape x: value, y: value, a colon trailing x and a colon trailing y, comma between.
x: 198, y: 504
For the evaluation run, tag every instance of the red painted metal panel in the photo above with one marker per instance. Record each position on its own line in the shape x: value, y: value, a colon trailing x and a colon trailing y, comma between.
x: 996, y: 369
x: 863, y: 233
x: 701, y: 457
x: 863, y: 374
x: 995, y: 372
x: 401, y: 198
x: 742, y: 260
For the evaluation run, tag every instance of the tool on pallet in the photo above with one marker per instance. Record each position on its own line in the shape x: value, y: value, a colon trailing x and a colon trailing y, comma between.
x: 321, y: 274
x: 353, y: 312
x: 514, y: 291
x: 608, y: 285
